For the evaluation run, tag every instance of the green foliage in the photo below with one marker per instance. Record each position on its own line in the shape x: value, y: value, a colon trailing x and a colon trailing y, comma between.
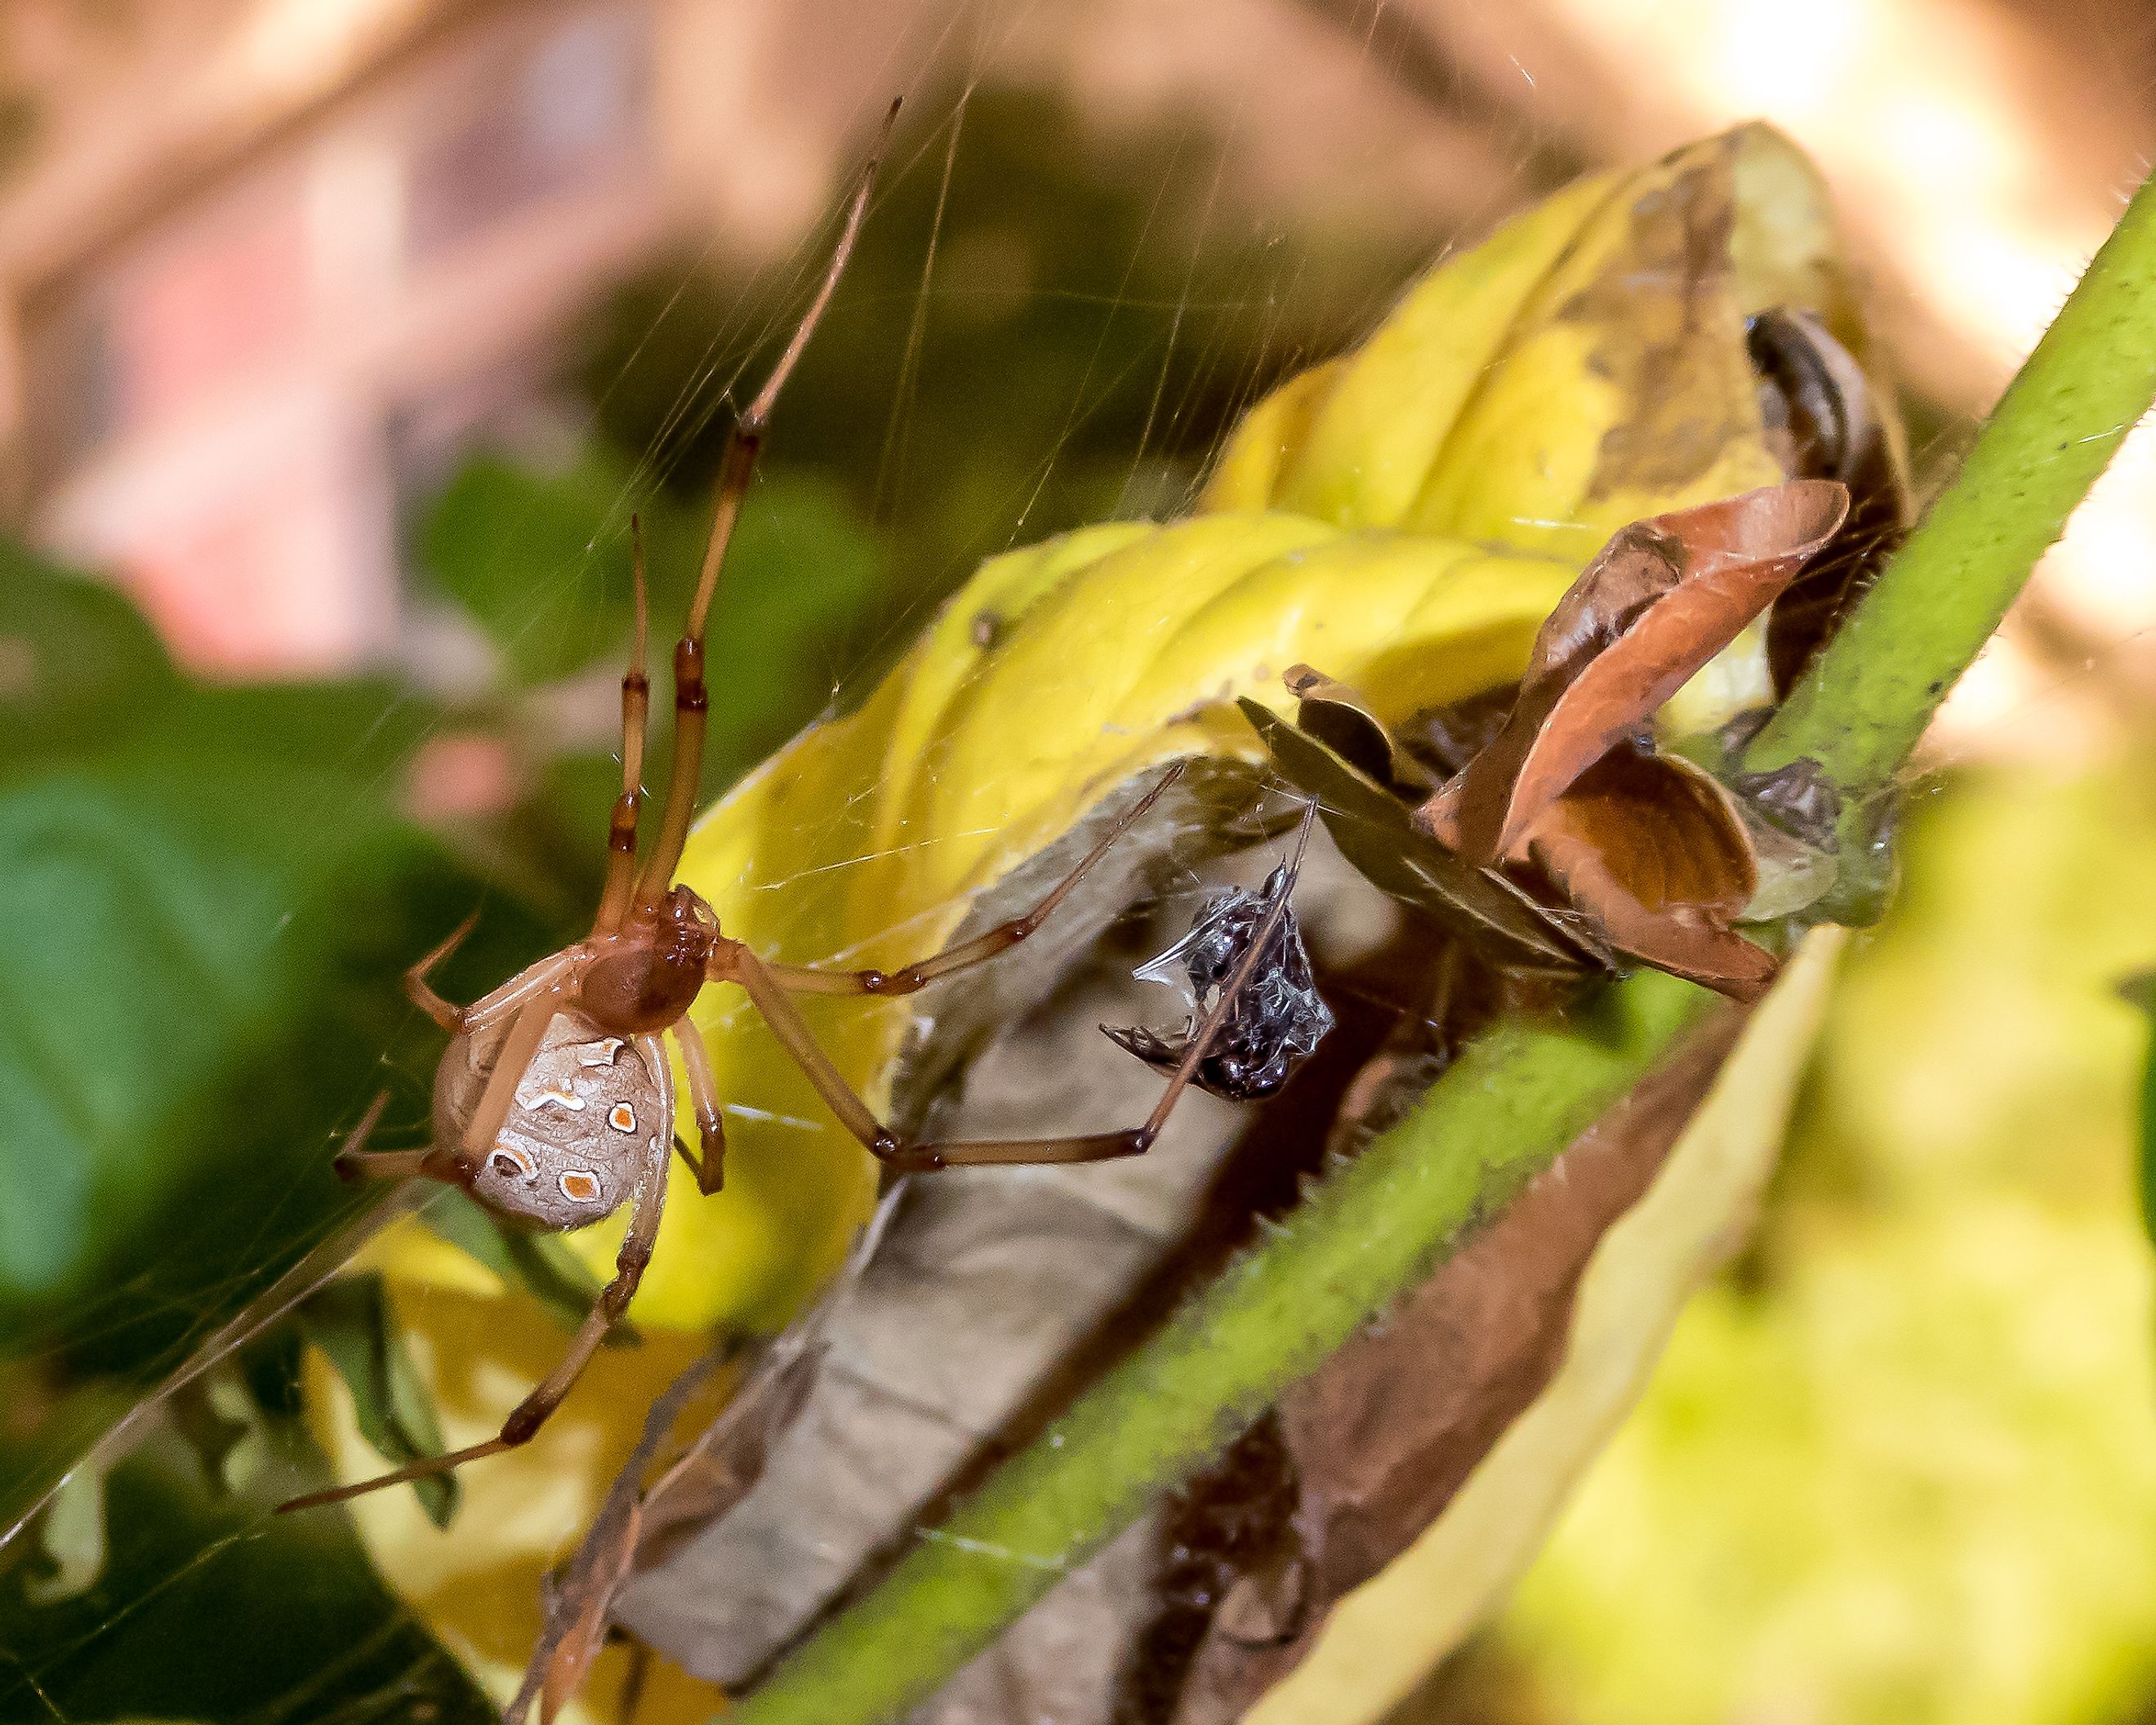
x: 541, y: 560
x: 1903, y: 1468
x: 209, y: 894
x: 275, y: 1618
x: 204, y: 888
x: 2140, y: 991
x: 530, y: 560
x: 350, y: 1321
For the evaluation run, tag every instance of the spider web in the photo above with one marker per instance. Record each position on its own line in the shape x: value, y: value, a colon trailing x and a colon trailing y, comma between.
x: 1066, y: 294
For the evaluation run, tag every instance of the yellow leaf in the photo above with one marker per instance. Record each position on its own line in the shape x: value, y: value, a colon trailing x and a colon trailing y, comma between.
x: 1360, y: 446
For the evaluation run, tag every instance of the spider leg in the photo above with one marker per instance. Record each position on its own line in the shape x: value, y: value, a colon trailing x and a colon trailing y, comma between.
x: 635, y: 710
x: 550, y: 974
x: 354, y: 1146
x: 691, y: 701
x: 743, y: 967
x: 535, y: 997
x: 489, y: 1008
x: 354, y: 1162
x: 421, y: 992
x: 385, y: 1164
x: 533, y: 1412
x: 811, y: 979
x: 710, y: 1164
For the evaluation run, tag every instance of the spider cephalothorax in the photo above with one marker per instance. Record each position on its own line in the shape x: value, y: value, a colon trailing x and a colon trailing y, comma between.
x: 643, y: 977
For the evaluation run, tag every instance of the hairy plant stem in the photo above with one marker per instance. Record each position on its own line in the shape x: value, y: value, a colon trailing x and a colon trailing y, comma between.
x: 1378, y: 1225
x: 1370, y: 1232
x: 1859, y: 710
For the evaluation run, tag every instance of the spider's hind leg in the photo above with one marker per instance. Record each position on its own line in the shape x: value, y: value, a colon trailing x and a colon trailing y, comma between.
x: 352, y: 1165
x: 354, y: 1161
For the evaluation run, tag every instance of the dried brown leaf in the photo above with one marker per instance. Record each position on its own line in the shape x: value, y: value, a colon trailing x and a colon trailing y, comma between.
x: 1655, y: 852
x: 585, y: 1631
x: 1638, y: 566
x: 1821, y: 413
x: 1338, y: 717
x: 1449, y: 737
x: 579, y: 1606
x: 1737, y: 556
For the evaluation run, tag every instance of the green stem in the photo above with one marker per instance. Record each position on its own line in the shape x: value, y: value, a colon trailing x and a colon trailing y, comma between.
x: 1378, y: 1225
x: 1366, y: 1237
x: 1866, y: 700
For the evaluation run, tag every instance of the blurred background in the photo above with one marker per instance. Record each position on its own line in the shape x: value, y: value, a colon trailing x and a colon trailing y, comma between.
x: 338, y: 340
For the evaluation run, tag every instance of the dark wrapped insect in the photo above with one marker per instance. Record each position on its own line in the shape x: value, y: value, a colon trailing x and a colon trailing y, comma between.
x: 1277, y: 1019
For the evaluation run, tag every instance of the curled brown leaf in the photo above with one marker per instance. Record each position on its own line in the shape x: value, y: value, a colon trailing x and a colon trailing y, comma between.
x: 1376, y: 832
x: 579, y: 1604
x: 1655, y: 850
x: 1822, y: 415
x: 1738, y: 556
x: 1338, y: 717
x: 1637, y: 566
x: 1662, y: 598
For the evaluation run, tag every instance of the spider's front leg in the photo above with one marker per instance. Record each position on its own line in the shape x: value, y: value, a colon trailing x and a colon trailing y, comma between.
x: 733, y: 962
x: 813, y: 980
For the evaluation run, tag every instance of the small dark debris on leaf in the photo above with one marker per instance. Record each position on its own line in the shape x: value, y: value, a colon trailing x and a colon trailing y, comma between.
x: 1275, y: 1022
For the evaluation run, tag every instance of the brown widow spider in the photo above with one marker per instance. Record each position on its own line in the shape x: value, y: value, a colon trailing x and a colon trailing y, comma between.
x: 554, y: 1103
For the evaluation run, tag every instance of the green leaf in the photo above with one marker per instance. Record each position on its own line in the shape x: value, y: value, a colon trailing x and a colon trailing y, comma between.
x: 209, y: 893
x: 2140, y: 990
x: 540, y: 561
x: 80, y: 667
x: 163, y: 1053
x: 350, y: 1321
x: 72, y: 1538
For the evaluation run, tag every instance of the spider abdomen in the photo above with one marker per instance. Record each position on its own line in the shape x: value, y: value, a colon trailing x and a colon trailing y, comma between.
x: 583, y: 1118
